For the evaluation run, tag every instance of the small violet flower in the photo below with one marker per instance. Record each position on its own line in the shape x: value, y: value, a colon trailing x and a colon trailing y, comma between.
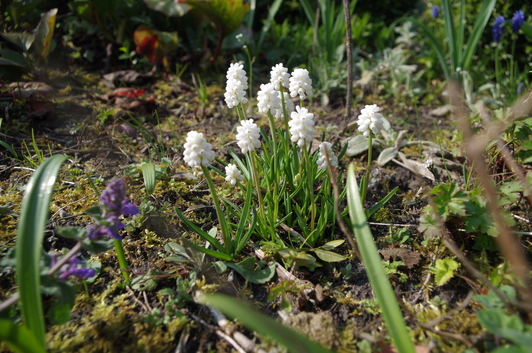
x: 520, y: 88
x: 233, y: 174
x: 268, y: 99
x: 301, y: 126
x: 114, y: 203
x: 248, y: 136
x: 300, y: 84
x: 237, y: 83
x: 288, y: 105
x: 74, y: 267
x: 517, y: 20
x: 279, y: 77
x: 329, y: 159
x: 498, y: 29
x: 197, y: 151
x: 435, y: 11
x: 370, y: 119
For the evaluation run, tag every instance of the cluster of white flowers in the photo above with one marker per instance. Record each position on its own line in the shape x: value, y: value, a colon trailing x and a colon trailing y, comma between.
x: 248, y: 136
x: 329, y: 159
x: 300, y: 84
x: 197, y: 151
x: 269, y: 99
x: 279, y: 77
x: 301, y: 126
x: 370, y: 119
x: 237, y: 83
x: 288, y: 105
x: 233, y: 174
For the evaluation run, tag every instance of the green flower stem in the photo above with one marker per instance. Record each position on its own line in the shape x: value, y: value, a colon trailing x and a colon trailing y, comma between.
x: 122, y: 262
x: 368, y: 170
x: 257, y: 183
x: 221, y: 216
x: 275, y: 170
x: 310, y: 178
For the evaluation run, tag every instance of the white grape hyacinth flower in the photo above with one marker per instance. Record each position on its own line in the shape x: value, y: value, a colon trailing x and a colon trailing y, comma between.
x: 279, y: 77
x: 329, y: 159
x: 300, y: 84
x: 233, y: 174
x: 248, y: 136
x: 301, y: 126
x: 197, y: 151
x: 288, y: 104
x: 237, y: 83
x: 268, y: 99
x: 370, y: 119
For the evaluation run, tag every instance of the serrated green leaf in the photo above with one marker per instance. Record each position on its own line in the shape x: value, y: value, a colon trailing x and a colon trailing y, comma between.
x: 444, y: 270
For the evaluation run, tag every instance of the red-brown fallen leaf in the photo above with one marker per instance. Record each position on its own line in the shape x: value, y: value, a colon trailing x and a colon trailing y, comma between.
x: 128, y: 92
x: 409, y: 257
x: 41, y: 109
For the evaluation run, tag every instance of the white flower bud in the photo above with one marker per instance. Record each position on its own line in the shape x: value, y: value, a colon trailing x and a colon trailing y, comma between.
x: 197, y: 151
x: 237, y: 83
x: 248, y: 136
x: 268, y: 99
x: 323, y: 161
x: 301, y: 126
x: 300, y: 84
x: 370, y: 119
x: 279, y: 77
x: 233, y: 174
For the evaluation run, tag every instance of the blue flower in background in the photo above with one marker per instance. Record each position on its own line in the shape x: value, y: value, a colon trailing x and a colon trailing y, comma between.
x: 520, y: 88
x: 435, y: 11
x: 517, y: 20
x: 498, y: 28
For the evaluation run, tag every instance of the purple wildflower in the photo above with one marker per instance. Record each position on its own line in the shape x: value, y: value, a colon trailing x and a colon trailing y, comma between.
x: 517, y: 20
x: 520, y: 88
x: 114, y: 204
x: 435, y: 11
x: 498, y: 28
x: 74, y: 267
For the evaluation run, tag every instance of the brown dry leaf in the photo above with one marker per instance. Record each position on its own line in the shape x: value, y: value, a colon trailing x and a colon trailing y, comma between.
x: 41, y: 109
x: 409, y: 257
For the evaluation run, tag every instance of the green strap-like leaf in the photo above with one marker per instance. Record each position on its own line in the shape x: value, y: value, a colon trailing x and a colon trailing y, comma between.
x: 30, y: 233
x: 379, y: 281
x: 293, y: 341
x: 148, y: 172
x: 19, y: 338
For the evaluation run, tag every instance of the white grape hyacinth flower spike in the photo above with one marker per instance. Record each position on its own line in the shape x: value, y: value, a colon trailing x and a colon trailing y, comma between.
x: 197, y: 151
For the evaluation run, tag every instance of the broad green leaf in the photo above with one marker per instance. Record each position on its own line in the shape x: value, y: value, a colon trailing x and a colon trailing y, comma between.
x: 253, y: 271
x: 225, y: 15
x: 148, y: 172
x: 300, y: 257
x: 356, y: 145
x: 255, y: 321
x: 10, y: 57
x: 387, y: 155
x: 168, y: 7
x: 332, y: 244
x: 328, y: 256
x: 22, y: 40
x: 19, y: 338
x: 44, y: 33
x: 30, y: 234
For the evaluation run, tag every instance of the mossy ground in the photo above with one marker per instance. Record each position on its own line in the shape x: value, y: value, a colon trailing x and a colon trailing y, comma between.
x: 108, y: 317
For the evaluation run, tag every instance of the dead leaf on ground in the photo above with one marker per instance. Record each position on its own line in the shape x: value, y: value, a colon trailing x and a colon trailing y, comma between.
x: 26, y: 90
x: 127, y: 77
x: 409, y: 257
x: 41, y: 109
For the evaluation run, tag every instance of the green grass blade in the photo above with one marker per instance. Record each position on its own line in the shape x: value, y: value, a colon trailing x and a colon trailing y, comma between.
x: 460, y: 35
x: 293, y: 341
x: 382, y: 202
x: 451, y: 33
x: 379, y: 281
x: 210, y: 252
x: 435, y: 46
x: 19, y: 338
x: 309, y: 11
x: 9, y: 148
x: 30, y: 233
x: 480, y: 23
x: 148, y: 172
x: 200, y: 231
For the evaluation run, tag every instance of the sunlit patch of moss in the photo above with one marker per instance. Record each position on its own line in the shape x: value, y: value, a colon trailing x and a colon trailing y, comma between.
x: 382, y: 215
x: 77, y: 199
x: 112, y: 324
